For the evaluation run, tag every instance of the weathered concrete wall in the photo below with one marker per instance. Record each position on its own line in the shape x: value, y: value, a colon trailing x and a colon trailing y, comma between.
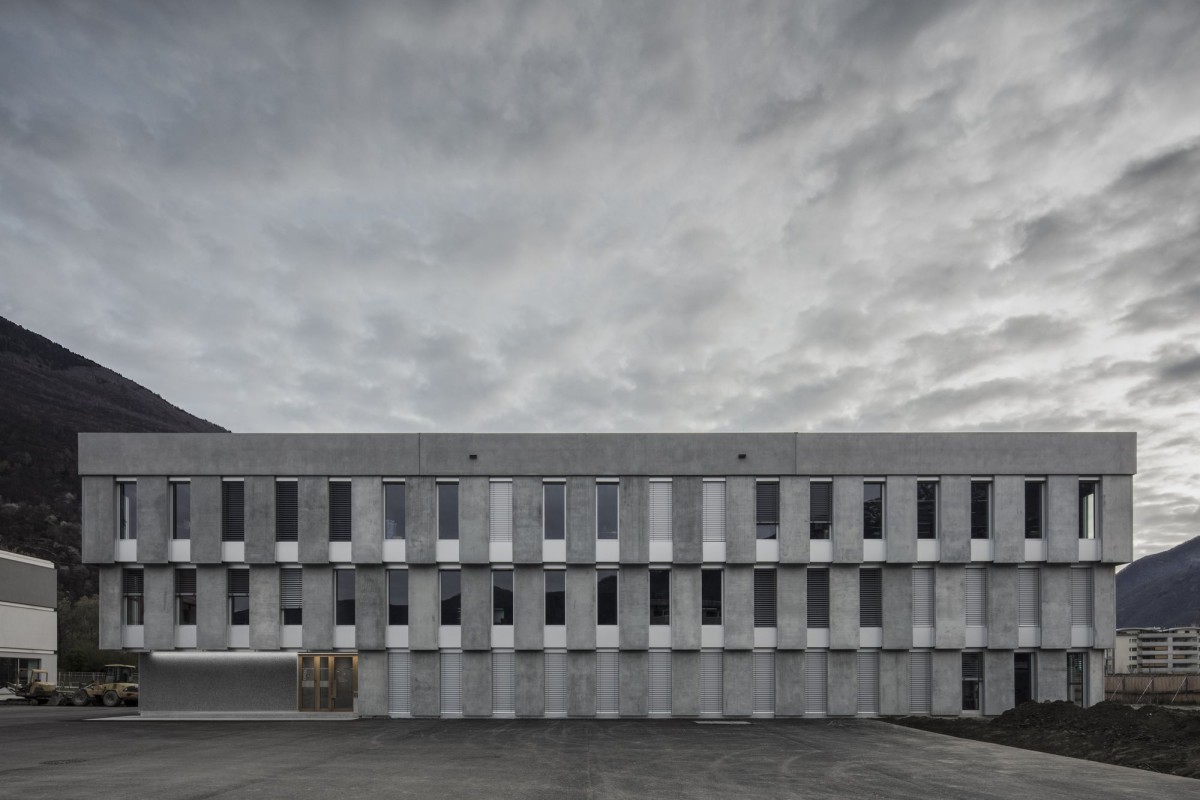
x: 530, y: 683
x: 476, y: 627
x: 581, y: 609
x: 894, y: 674
x: 739, y: 607
x: 366, y: 519
x: 947, y: 683
x: 370, y: 607
x: 1056, y: 606
x: 264, y: 607
x: 312, y: 497
x: 260, y: 520
x: 159, y: 606
x: 474, y: 504
x: 843, y: 607
x: 212, y: 615
x: 998, y: 694
x: 738, y: 683
x: 950, y: 623
x: 420, y: 521
x: 789, y: 683
x: 1116, y: 519
x: 954, y: 518
x: 687, y: 528
x: 425, y: 682
x: 529, y: 607
x: 206, y: 520
x: 1002, y: 607
x: 685, y: 683
x: 897, y: 607
x: 633, y: 605
x: 373, y: 684
x: 98, y: 520
x: 793, y: 519
x: 740, y: 529
x: 581, y: 521
x: 1008, y: 491
x: 477, y: 684
x: 847, y: 519
x: 317, y: 632
x: 900, y: 518
x: 1104, y: 606
x: 581, y: 683
x: 423, y: 610
x: 633, y: 520
x: 1051, y: 675
x: 632, y: 698
x: 843, y: 683
x: 792, y: 608
x: 1062, y: 529
x: 154, y: 514
x: 685, y: 608
x: 110, y: 608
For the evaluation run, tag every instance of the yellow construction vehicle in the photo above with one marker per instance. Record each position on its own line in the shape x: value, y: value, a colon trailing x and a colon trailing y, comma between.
x: 118, y: 686
x: 37, y: 689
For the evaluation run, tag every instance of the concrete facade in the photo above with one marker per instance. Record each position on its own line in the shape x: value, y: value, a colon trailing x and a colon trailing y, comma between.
x: 711, y: 663
x: 29, y: 617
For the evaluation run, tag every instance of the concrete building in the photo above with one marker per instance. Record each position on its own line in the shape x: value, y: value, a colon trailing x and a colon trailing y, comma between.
x: 28, y: 617
x: 632, y: 575
x: 1157, y: 651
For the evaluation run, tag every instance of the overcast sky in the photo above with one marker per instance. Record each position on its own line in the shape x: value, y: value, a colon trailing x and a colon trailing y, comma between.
x: 588, y: 216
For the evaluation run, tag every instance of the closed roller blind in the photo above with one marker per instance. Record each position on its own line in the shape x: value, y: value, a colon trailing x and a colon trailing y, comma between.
x: 922, y: 597
x: 764, y: 598
x: 711, y: 682
x: 818, y: 598
x: 291, y: 587
x: 286, y: 525
x: 713, y: 521
x: 132, y: 581
x: 870, y: 597
x: 1029, y: 588
x: 659, y: 688
x: 398, y: 684
x: 868, y: 682
x: 501, y: 511
x: 975, y: 583
x: 233, y: 518
x: 920, y: 683
x: 556, y: 684
x: 815, y: 681
x: 503, y: 683
x: 452, y: 684
x: 766, y: 503
x: 607, y: 682
x: 185, y: 581
x: 820, y: 500
x: 1081, y: 596
x: 972, y: 666
x: 339, y: 511
x: 764, y: 682
x: 239, y: 582
x: 660, y: 511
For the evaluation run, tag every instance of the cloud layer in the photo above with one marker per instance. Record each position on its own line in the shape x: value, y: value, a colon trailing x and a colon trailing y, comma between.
x: 604, y: 216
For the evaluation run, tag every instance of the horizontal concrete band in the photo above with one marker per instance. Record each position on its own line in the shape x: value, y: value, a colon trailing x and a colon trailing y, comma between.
x: 451, y: 454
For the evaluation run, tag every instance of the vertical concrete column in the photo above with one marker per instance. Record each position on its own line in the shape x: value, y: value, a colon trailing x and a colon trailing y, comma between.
x: 1116, y: 518
x: 366, y: 521
x: 212, y: 602
x: 954, y: 497
x: 843, y: 683
x: 1051, y: 675
x: 1095, y: 677
x: 792, y: 607
x: 264, y: 607
x: 950, y: 623
x: 474, y: 519
x: 739, y: 607
x: 741, y: 535
x: 1008, y: 493
x: 99, y: 520
x: 1056, y: 606
x: 1002, y: 600
x: 843, y: 607
x: 260, y: 520
x: 685, y: 607
x: 530, y: 689
x: 738, y: 683
x: 317, y: 630
x: 476, y: 608
x: 1104, y: 606
x: 373, y: 684
x: 900, y: 519
x: 527, y: 520
x: 634, y: 669
x: 633, y: 607
x: 998, y: 694
x: 312, y: 519
x: 581, y: 520
x: 634, y: 518
x: 159, y: 605
x: 789, y: 683
x: 1062, y: 525
x: 897, y: 607
x: 894, y: 673
x: 425, y: 684
x: 370, y: 607
x: 581, y: 609
x: 685, y: 683
x: 477, y: 684
x: 529, y: 608
x: 687, y: 522
x: 154, y: 515
x: 110, y: 608
x: 848, y: 519
x: 206, y: 520
x: 420, y: 522
x: 423, y: 610
x: 793, y: 520
x: 581, y: 683
x: 947, y: 683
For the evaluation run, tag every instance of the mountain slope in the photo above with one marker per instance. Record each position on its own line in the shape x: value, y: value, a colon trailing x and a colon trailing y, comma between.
x: 1161, y: 590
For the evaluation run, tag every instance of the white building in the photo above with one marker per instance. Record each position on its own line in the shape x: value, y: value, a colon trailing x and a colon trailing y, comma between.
x: 1157, y: 651
x: 28, y: 617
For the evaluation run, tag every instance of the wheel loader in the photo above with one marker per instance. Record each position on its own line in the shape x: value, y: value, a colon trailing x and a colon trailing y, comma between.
x: 119, y: 686
x: 37, y: 690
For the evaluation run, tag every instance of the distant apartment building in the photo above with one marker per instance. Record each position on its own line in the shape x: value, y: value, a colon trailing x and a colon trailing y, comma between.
x: 606, y: 575
x: 28, y: 617
x: 1157, y: 651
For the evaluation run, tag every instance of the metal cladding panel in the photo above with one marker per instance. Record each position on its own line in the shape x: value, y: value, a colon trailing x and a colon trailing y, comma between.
x: 897, y: 607
x: 500, y: 511
x: 1104, y: 606
x: 399, y: 685
x: 739, y: 607
x: 712, y: 680
x: 1008, y: 491
x: 1002, y: 606
x: 843, y: 607
x: 893, y: 682
x: 450, y: 684
x: 366, y: 526
x: 685, y: 608
x: 900, y: 518
x: 816, y: 682
x: 789, y: 683
x: 660, y: 510
x: 685, y: 683
x: 264, y: 607
x: 530, y: 683
x: 581, y: 608
x: 581, y: 521
x: 950, y: 623
x: 504, y: 682
x: 317, y: 633
x: 474, y: 497
x: 792, y: 607
x: 998, y: 694
x: 843, y: 682
x: 975, y: 596
x: 847, y: 519
x: 947, y: 683
x: 793, y: 520
x: 423, y: 612
x: 764, y: 681
x: 608, y: 682
x: 110, y: 608
x: 527, y: 521
x: 99, y: 526
x: 1062, y: 523
x: 740, y: 534
x: 1029, y: 602
x: 260, y: 520
x: 425, y: 682
x: 555, y: 677
x: 476, y: 607
x: 634, y: 546
x: 420, y: 521
x: 1051, y: 675
x: 866, y: 664
x: 713, y: 512
x: 954, y: 515
x: 1056, y: 607
x: 154, y: 518
x: 1082, y: 595
x: 159, y: 606
x: 658, y: 687
x: 687, y: 525
x: 206, y: 520
x: 312, y: 516
x: 1116, y: 519
x: 477, y: 684
x: 370, y: 617
x: 529, y: 608
x: 636, y: 678
x: 581, y: 683
x: 920, y: 683
x: 924, y: 592
x: 211, y: 608
x: 737, y: 681
x: 633, y: 606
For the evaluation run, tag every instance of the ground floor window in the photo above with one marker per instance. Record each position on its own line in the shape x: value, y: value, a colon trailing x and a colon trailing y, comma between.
x: 1076, y: 669
x: 972, y: 681
x: 16, y: 670
x: 1023, y: 691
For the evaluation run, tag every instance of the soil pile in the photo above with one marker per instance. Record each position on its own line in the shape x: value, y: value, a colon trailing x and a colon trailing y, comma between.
x: 1150, y: 737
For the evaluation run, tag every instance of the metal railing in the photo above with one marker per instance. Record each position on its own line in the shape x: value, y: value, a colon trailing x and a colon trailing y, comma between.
x: 73, y: 680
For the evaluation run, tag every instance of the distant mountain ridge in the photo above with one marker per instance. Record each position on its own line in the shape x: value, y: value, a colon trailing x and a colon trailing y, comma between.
x: 1161, y: 590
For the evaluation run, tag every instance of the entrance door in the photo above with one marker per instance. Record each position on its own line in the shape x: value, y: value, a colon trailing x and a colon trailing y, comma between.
x: 327, y: 682
x: 1023, y: 677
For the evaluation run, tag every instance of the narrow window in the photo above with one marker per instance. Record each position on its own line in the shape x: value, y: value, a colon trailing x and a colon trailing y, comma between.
x: 606, y: 597
x: 556, y: 597
x: 766, y: 505
x: 1076, y: 669
x: 1088, y: 491
x: 1081, y: 596
x: 818, y: 598
x: 291, y: 595
x: 286, y: 518
x: 447, y: 506
x: 927, y: 500
x: 554, y: 511
x: 975, y: 591
x: 923, y: 608
x: 607, y: 513
x: 870, y: 597
x: 972, y: 681
x: 820, y: 509
x: 181, y: 510
x: 450, y: 585
x: 710, y: 596
x: 233, y: 511
x: 1029, y: 594
x: 1035, y: 507
x: 393, y: 510
x: 397, y: 597
x: 239, y: 596
x: 133, y: 589
x: 873, y: 510
x: 713, y: 514
x: 764, y: 598
x: 981, y: 510
x: 185, y: 597
x: 660, y: 597
x: 127, y: 510
x: 661, y: 508
x: 343, y: 613
x: 1023, y: 678
x: 502, y: 597
x: 500, y: 500
x: 339, y: 511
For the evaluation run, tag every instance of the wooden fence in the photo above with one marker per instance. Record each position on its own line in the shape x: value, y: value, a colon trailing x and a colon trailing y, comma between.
x: 1156, y: 689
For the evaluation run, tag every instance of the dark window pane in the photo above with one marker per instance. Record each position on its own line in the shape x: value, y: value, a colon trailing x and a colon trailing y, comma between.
x: 187, y: 609
x: 660, y: 597
x: 556, y: 597
x: 181, y: 511
x: 606, y: 597
x: 239, y: 610
x: 710, y: 597
x: 927, y: 495
x: 291, y: 595
x: 1033, y: 509
x: 286, y: 527
x: 820, y: 509
x: 393, y: 510
x: 972, y: 681
x: 607, y: 497
x: 1088, y: 491
x: 447, y: 510
x: 554, y: 510
x: 818, y: 598
x: 127, y: 501
x: 872, y: 510
x: 397, y: 597
x: 502, y: 597
x: 766, y: 509
x: 133, y: 609
x: 981, y: 512
x: 344, y: 594
x: 451, y: 587
x: 293, y: 616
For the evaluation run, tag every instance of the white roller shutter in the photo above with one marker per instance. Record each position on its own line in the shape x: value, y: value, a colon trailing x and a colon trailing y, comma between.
x: 660, y: 511
x: 607, y: 682
x: 975, y: 583
x: 659, y: 688
x: 556, y: 684
x: 867, y: 663
x: 1029, y: 610
x: 764, y: 682
x: 501, y: 511
x: 815, y: 682
x: 920, y: 683
x: 922, y: 597
x: 713, y: 515
x: 503, y: 683
x: 711, y: 682
x: 1081, y: 596
x: 452, y: 671
x: 398, y: 685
